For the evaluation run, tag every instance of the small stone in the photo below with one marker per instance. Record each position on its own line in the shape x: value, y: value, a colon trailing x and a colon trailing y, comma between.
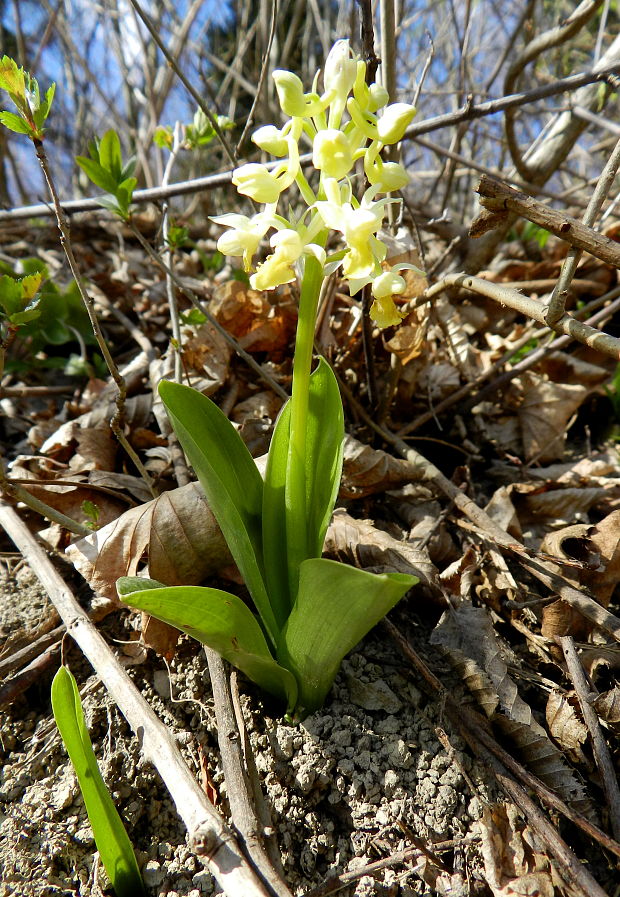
x: 161, y: 683
x: 64, y: 795
x: 373, y: 695
x: 152, y: 874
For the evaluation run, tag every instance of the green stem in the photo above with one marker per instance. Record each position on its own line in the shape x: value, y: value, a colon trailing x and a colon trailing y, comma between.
x: 296, y: 477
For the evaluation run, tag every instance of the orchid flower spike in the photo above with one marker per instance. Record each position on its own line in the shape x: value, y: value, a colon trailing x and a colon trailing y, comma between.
x: 348, y: 121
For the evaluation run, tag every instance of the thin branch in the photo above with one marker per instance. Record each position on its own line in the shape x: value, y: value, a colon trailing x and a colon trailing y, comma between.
x: 557, y: 302
x: 599, y: 746
x: 532, y: 308
x: 499, y: 199
x: 188, y: 86
x: 263, y: 74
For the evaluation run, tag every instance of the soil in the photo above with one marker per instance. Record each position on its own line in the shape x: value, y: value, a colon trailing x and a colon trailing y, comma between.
x: 357, y: 781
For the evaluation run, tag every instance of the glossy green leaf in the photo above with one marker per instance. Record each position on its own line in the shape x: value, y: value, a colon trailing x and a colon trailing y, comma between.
x: 217, y: 619
x: 97, y: 174
x: 15, y: 123
x: 324, y: 447
x: 110, y: 836
x: 336, y: 606
x: 230, y: 480
x: 110, y: 156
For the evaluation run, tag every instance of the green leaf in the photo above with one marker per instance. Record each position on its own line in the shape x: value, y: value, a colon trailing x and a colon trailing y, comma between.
x: 12, y: 77
x: 217, y: 619
x: 324, y: 447
x: 110, y: 156
x: 15, y: 122
x: 110, y: 836
x: 97, y: 174
x: 10, y: 294
x: 230, y: 480
x: 336, y: 606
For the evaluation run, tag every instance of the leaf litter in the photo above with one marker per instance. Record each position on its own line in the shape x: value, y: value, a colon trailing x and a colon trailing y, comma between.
x: 365, y: 778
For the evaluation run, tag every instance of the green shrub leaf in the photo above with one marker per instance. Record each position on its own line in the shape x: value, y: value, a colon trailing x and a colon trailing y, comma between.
x: 217, y: 619
x: 336, y: 606
x: 15, y: 122
x: 110, y: 836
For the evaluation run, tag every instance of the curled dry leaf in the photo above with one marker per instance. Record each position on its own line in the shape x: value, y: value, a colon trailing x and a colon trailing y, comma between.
x: 367, y: 470
x: 515, y: 862
x: 596, y: 549
x: 176, y: 533
x: 366, y: 546
x: 206, y: 352
x: 561, y: 618
x: 607, y: 705
x: 565, y: 726
x: 469, y: 640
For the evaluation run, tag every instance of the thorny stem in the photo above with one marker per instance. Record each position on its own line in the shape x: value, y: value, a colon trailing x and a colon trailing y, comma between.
x: 65, y: 240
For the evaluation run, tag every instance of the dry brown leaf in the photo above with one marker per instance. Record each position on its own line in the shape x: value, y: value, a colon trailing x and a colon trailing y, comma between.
x: 176, y: 533
x: 206, y: 352
x: 544, y: 413
x: 409, y: 339
x: 367, y: 470
x: 561, y: 618
x: 359, y: 541
x: 515, y: 862
x: 566, y: 727
x: 458, y: 577
x: 607, y: 705
x: 502, y: 511
x: 469, y: 640
x: 250, y: 317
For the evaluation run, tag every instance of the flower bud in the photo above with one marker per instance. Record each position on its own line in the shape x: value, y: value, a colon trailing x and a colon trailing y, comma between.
x: 257, y: 182
x: 388, y: 284
x: 394, y: 122
x: 331, y: 153
x: 291, y: 94
x: 270, y: 139
x: 378, y: 97
x: 387, y: 176
x: 340, y: 69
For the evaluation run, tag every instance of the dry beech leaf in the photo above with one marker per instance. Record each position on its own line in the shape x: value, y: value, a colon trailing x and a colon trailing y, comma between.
x: 176, y: 533
x: 607, y: 705
x: 250, y: 317
x: 360, y: 542
x: 601, y: 464
x: 544, y: 413
x: 367, y: 470
x: 515, y: 862
x: 206, y: 351
x: 470, y: 643
x: 410, y: 338
x: 596, y: 551
x: 561, y: 618
x: 458, y: 577
x: 502, y: 511
x: 566, y: 727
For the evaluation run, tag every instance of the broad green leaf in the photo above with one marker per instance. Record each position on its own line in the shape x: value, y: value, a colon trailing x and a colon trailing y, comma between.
x: 97, y: 174
x: 324, y: 447
x: 217, y: 619
x: 15, y: 122
x: 110, y: 836
x: 29, y: 314
x: 336, y: 606
x: 230, y: 480
x: 110, y: 156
